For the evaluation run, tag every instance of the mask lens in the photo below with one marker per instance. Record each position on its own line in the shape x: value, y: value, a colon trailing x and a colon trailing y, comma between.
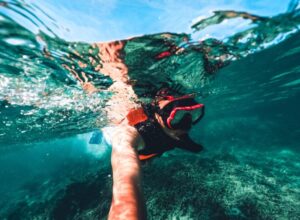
x: 178, y: 117
x: 180, y: 114
x: 196, y: 114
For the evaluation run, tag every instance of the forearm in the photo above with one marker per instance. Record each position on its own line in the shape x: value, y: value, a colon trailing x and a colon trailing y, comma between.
x: 127, y: 201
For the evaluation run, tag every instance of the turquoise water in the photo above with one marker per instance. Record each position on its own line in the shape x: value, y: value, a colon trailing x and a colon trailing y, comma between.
x: 249, y: 81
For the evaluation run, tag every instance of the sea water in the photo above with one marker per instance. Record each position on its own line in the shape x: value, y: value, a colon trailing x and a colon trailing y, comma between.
x: 249, y: 81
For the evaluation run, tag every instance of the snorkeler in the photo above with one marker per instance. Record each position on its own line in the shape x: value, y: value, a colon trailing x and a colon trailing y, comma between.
x: 140, y: 132
x: 147, y: 132
x: 164, y: 125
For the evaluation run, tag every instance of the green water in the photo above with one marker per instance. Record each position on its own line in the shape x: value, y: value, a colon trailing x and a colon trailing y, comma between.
x: 251, y: 134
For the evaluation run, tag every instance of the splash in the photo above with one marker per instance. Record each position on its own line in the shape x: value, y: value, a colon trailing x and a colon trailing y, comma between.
x: 262, y: 32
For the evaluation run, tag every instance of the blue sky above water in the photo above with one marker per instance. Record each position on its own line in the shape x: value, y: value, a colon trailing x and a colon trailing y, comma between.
x: 103, y: 20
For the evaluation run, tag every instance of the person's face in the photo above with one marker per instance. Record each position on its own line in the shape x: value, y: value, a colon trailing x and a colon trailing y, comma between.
x: 172, y: 132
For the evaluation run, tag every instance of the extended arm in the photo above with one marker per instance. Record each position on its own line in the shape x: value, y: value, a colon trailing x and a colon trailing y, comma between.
x: 127, y: 201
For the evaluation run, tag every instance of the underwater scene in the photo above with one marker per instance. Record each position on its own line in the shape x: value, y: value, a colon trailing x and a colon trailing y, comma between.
x: 65, y: 66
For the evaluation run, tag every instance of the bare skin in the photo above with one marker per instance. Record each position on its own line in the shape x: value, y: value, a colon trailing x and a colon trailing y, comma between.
x: 127, y: 201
